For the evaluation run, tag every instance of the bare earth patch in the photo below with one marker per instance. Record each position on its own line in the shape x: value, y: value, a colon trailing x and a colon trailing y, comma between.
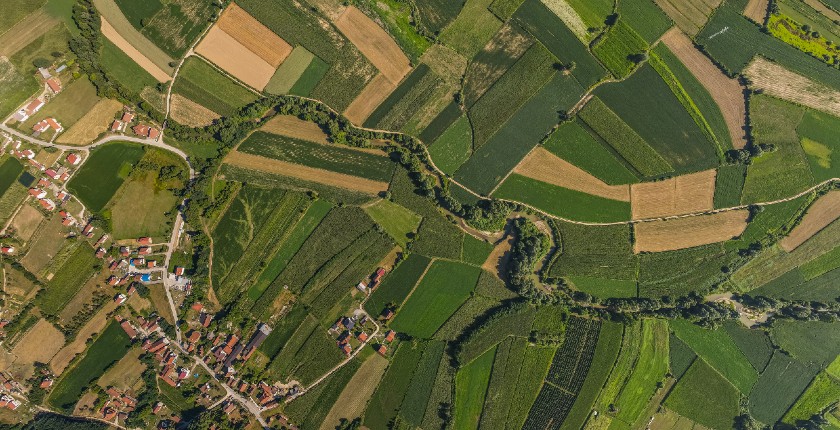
x: 779, y: 82
x: 374, y: 93
x: 111, y: 33
x: 544, y: 166
x: 292, y: 126
x: 235, y: 58
x: 25, y: 32
x: 268, y: 165
x: 823, y: 9
x: 727, y: 92
x: 668, y: 235
x: 26, y: 222
x: 496, y: 262
x: 97, y: 121
x: 375, y: 43
x: 822, y: 213
x: 683, y: 194
x: 756, y: 10
x: 253, y: 35
x: 40, y: 344
x: 355, y: 395
x: 187, y: 112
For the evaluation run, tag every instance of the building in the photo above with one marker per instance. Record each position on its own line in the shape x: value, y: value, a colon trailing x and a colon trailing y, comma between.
x: 145, y: 241
x: 51, y: 174
x: 44, y: 73
x: 179, y: 271
x: 54, y: 85
x: 263, y: 330
x: 382, y: 350
x: 7, y: 249
x: 117, y: 125
x: 47, y: 204
x: 37, y: 193
x: 144, y: 130
x: 129, y: 330
x: 120, y: 298
x: 127, y: 117
x: 29, y: 110
x: 88, y: 230
x: 74, y: 159
x: 46, y: 124
x: 389, y: 337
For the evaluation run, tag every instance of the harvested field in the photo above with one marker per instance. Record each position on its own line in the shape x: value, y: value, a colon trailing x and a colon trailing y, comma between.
x: 779, y: 82
x: 26, y: 222
x: 254, y: 35
x: 727, y: 92
x: 48, y: 158
x: 544, y: 166
x: 756, y: 10
x: 822, y: 213
x: 92, y: 124
x: 268, y: 165
x: 290, y: 71
x: 39, y: 344
x: 148, y: 65
x: 187, y: 112
x: 668, y: 235
x: 48, y: 241
x: 823, y: 9
x: 689, y: 15
x: 62, y: 359
x: 375, y: 92
x: 25, y: 32
x: 292, y: 126
x: 374, y: 43
x: 355, y: 395
x: 683, y: 194
x: 235, y: 58
x: 125, y: 372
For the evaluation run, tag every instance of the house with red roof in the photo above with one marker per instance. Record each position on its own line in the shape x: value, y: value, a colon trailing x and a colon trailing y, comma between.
x: 46, y: 124
x: 88, y: 230
x: 389, y: 337
x: 117, y: 125
x: 29, y: 110
x: 74, y: 159
x: 47, y: 204
x: 144, y: 241
x: 179, y: 271
x: 37, y: 193
x: 7, y: 249
x: 51, y: 173
x: 54, y: 85
x: 127, y: 117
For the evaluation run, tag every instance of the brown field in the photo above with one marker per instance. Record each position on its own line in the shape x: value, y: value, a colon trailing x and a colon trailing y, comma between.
x: 96, y: 324
x: 779, y: 82
x: 48, y: 157
x: 83, y: 297
x: 689, y: 15
x: 226, y: 52
x: 17, y: 285
x: 668, y: 235
x: 40, y: 344
x: 111, y: 33
x: 822, y: 213
x: 158, y: 297
x: 48, y: 241
x: 683, y: 194
x: 187, y: 112
x: 253, y: 35
x: 268, y: 165
x: 374, y: 93
x: 25, y: 32
x: 355, y: 395
x: 125, y: 373
x: 292, y: 126
x: 823, y: 9
x: 97, y: 121
x: 756, y: 10
x: 26, y: 222
x: 544, y: 166
x: 727, y: 92
x: 496, y: 262
x: 374, y: 43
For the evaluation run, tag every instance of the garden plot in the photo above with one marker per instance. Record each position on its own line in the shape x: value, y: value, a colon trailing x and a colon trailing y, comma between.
x: 780, y: 82
x: 544, y: 166
x: 822, y: 213
x: 683, y: 194
x: 668, y: 235
x: 374, y: 43
x: 252, y: 34
x: 375, y: 92
x: 235, y: 58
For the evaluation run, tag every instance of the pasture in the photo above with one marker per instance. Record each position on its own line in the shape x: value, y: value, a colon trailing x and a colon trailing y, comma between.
x: 690, y: 397
x: 112, y: 162
x: 90, y: 126
x: 70, y: 105
x: 16, y: 88
x: 399, y: 222
x: 201, y: 83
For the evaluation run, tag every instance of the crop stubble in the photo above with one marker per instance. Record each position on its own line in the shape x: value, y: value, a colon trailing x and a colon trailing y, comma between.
x: 683, y: 194
x: 779, y: 82
x: 668, y: 235
x: 228, y: 53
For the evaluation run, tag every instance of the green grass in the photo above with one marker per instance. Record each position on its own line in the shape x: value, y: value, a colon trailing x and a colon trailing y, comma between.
x: 109, y: 347
x: 444, y: 288
x: 535, y: 364
x: 102, y: 174
x: 770, y: 221
x: 680, y: 356
x: 569, y: 204
x: 515, y: 320
x: 680, y: 272
x: 139, y: 12
x: 399, y: 21
x: 616, y: 46
x: 389, y: 394
x: 125, y: 70
x: 755, y: 344
x: 623, y: 139
x: 473, y: 27
x: 313, y: 354
x: 397, y: 284
x: 816, y: 132
x: 595, y: 251
x: 68, y: 280
x: 729, y: 183
x: 290, y: 71
x: 403, y: 91
x: 470, y: 388
x: 592, y: 12
x: 72, y: 103
x: 16, y: 10
x: 693, y: 394
x: 282, y: 331
x: 311, y: 409
x: 823, y: 391
x: 475, y: 251
x: 645, y: 17
x: 397, y: 221
x: 504, y: 9
x: 16, y: 87
x: 201, y: 83
x: 507, y: 366
x: 141, y: 209
x: 812, y: 342
x: 467, y: 314
x: 310, y: 78
x: 718, y: 349
x: 453, y: 147
x: 822, y: 264
x: 500, y: 53
x: 784, y: 380
x: 574, y: 144
x: 422, y: 383
x: 178, y: 24
x: 604, y: 288
x: 9, y: 171
x: 651, y: 367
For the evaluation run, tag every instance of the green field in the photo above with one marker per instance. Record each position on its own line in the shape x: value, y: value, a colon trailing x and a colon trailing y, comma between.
x: 574, y: 144
x: 445, y: 287
x: 650, y: 369
x: 823, y: 391
x: 680, y: 272
x: 309, y: 354
x: 201, y: 83
x: 475, y: 251
x: 103, y: 173
x: 729, y: 183
x: 417, y: 396
x: 820, y: 144
x: 813, y: 342
x: 472, y: 28
x: 784, y: 380
x: 604, y: 288
x: 453, y: 147
x: 9, y: 172
x: 310, y: 409
x: 692, y: 396
x: 68, y: 280
x: 16, y: 87
x: 616, y: 48
x: 125, y: 70
x: 109, y: 347
x: 470, y: 388
x: 170, y: 25
x: 388, y: 397
x: 595, y: 251
x: 397, y: 221
x: 290, y: 71
x: 16, y: 10
x: 680, y: 356
x: 646, y: 18
x: 72, y: 103
x: 821, y: 265
x: 398, y: 284
x: 755, y: 344
x: 310, y: 78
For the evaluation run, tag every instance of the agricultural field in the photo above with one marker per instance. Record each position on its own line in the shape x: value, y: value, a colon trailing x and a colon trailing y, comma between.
x: 699, y: 383
x: 201, y: 83
x: 113, y: 161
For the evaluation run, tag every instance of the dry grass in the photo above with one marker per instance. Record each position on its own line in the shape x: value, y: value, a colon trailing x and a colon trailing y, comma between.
x: 779, y: 82
x: 822, y: 213
x: 326, y: 177
x: 157, y: 294
x: 374, y: 93
x: 544, y: 166
x: 684, y: 194
x: 39, y: 344
x: 125, y: 373
x: 668, y: 235
x: 187, y: 112
x: 292, y: 126
x: 727, y: 92
x: 374, y: 43
x: 47, y: 158
x: 253, y: 35
x: 496, y: 262
x: 97, y: 121
x: 823, y: 9
x: 26, y: 222
x: 83, y: 297
x: 569, y: 16
x: 355, y: 395
x: 756, y: 10
x: 148, y: 65
x: 235, y: 58
x: 689, y: 15
x: 96, y: 324
x: 25, y: 32
x: 48, y: 241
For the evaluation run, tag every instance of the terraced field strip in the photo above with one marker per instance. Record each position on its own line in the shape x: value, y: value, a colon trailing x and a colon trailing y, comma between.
x: 692, y: 193
x: 125, y: 46
x: 375, y: 92
x: 668, y: 235
x: 727, y: 92
x: 689, y: 15
x: 779, y: 82
x: 268, y: 165
x: 822, y: 213
x: 544, y: 166
x: 225, y: 51
x: 375, y: 43
x: 25, y: 32
x: 255, y: 36
x: 131, y: 41
x: 823, y: 9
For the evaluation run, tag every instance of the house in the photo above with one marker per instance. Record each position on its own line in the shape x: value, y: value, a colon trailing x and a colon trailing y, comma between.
x: 151, y: 264
x: 46, y: 124
x: 197, y: 306
x: 347, y: 349
x: 263, y: 330
x: 229, y: 408
x: 52, y: 174
x: 382, y: 350
x: 74, y: 159
x: 387, y: 314
x: 88, y: 230
x: 363, y: 337
x: 28, y: 153
x: 389, y: 337
x: 100, y: 252
x: 154, y: 133
x: 29, y: 110
x: 43, y: 182
x: 179, y: 271
x: 145, y: 241
x: 117, y: 125
x: 194, y: 336
x: 127, y: 117
x: 61, y: 68
x: 62, y: 196
x: 141, y: 130
x: 46, y: 383
x: 44, y: 73
x: 38, y: 194
x: 131, y: 290
x: 205, y: 319
x: 120, y: 298
x: 129, y: 330
x: 125, y: 251
x: 47, y: 204
x: 184, y: 373
x: 112, y: 280
x: 348, y: 323
x: 101, y: 239
x: 54, y: 85
x: 64, y: 176
x: 144, y: 250
x: 362, y: 287
x: 157, y: 407
x: 7, y: 249
x: 37, y: 165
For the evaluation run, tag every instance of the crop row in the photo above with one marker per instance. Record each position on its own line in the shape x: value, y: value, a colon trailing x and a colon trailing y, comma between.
x: 571, y: 362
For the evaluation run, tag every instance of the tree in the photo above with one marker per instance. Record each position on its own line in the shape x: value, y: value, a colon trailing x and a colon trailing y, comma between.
x: 41, y: 62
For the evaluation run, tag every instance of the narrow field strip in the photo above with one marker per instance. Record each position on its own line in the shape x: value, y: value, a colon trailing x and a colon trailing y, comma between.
x: 225, y: 51
x: 683, y: 194
x: 147, y: 64
x: 374, y: 43
x: 779, y: 82
x: 668, y: 235
x: 822, y: 213
x: 374, y: 93
x: 544, y: 166
x: 129, y: 36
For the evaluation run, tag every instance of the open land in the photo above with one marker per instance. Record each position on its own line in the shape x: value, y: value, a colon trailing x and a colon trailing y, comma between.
x: 544, y: 166
x: 95, y: 122
x: 252, y: 34
x: 292, y: 126
x: 683, y: 194
x: 822, y: 213
x: 376, y: 45
x: 667, y: 235
x: 189, y: 113
x: 148, y: 65
x: 780, y: 82
x: 375, y: 92
x: 235, y: 58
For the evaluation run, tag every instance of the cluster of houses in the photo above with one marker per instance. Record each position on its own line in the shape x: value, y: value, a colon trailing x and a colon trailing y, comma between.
x: 9, y: 402
x: 46, y: 124
x: 53, y: 85
x: 143, y: 130
x: 61, y: 174
x: 119, y: 125
x: 9, y: 387
x: 118, y: 405
x: 375, y: 280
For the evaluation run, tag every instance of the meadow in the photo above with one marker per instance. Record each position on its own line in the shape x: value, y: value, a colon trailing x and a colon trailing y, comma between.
x: 290, y: 71
x: 649, y: 370
x: 309, y: 354
x: 475, y: 251
x: 822, y: 391
x: 124, y: 69
x: 72, y: 103
x: 416, y: 399
x: 16, y: 88
x: 645, y: 18
x: 397, y: 221
x: 821, y: 146
x: 679, y: 272
x: 453, y: 147
x: 617, y: 46
x: 813, y: 342
x: 68, y: 280
x: 573, y: 143
x: 699, y: 384
x: 604, y: 288
x: 103, y: 173
x: 470, y: 388
x: 388, y: 397
x: 472, y: 28
x: 500, y: 53
x: 201, y: 83
x: 398, y: 284
x: 781, y: 383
